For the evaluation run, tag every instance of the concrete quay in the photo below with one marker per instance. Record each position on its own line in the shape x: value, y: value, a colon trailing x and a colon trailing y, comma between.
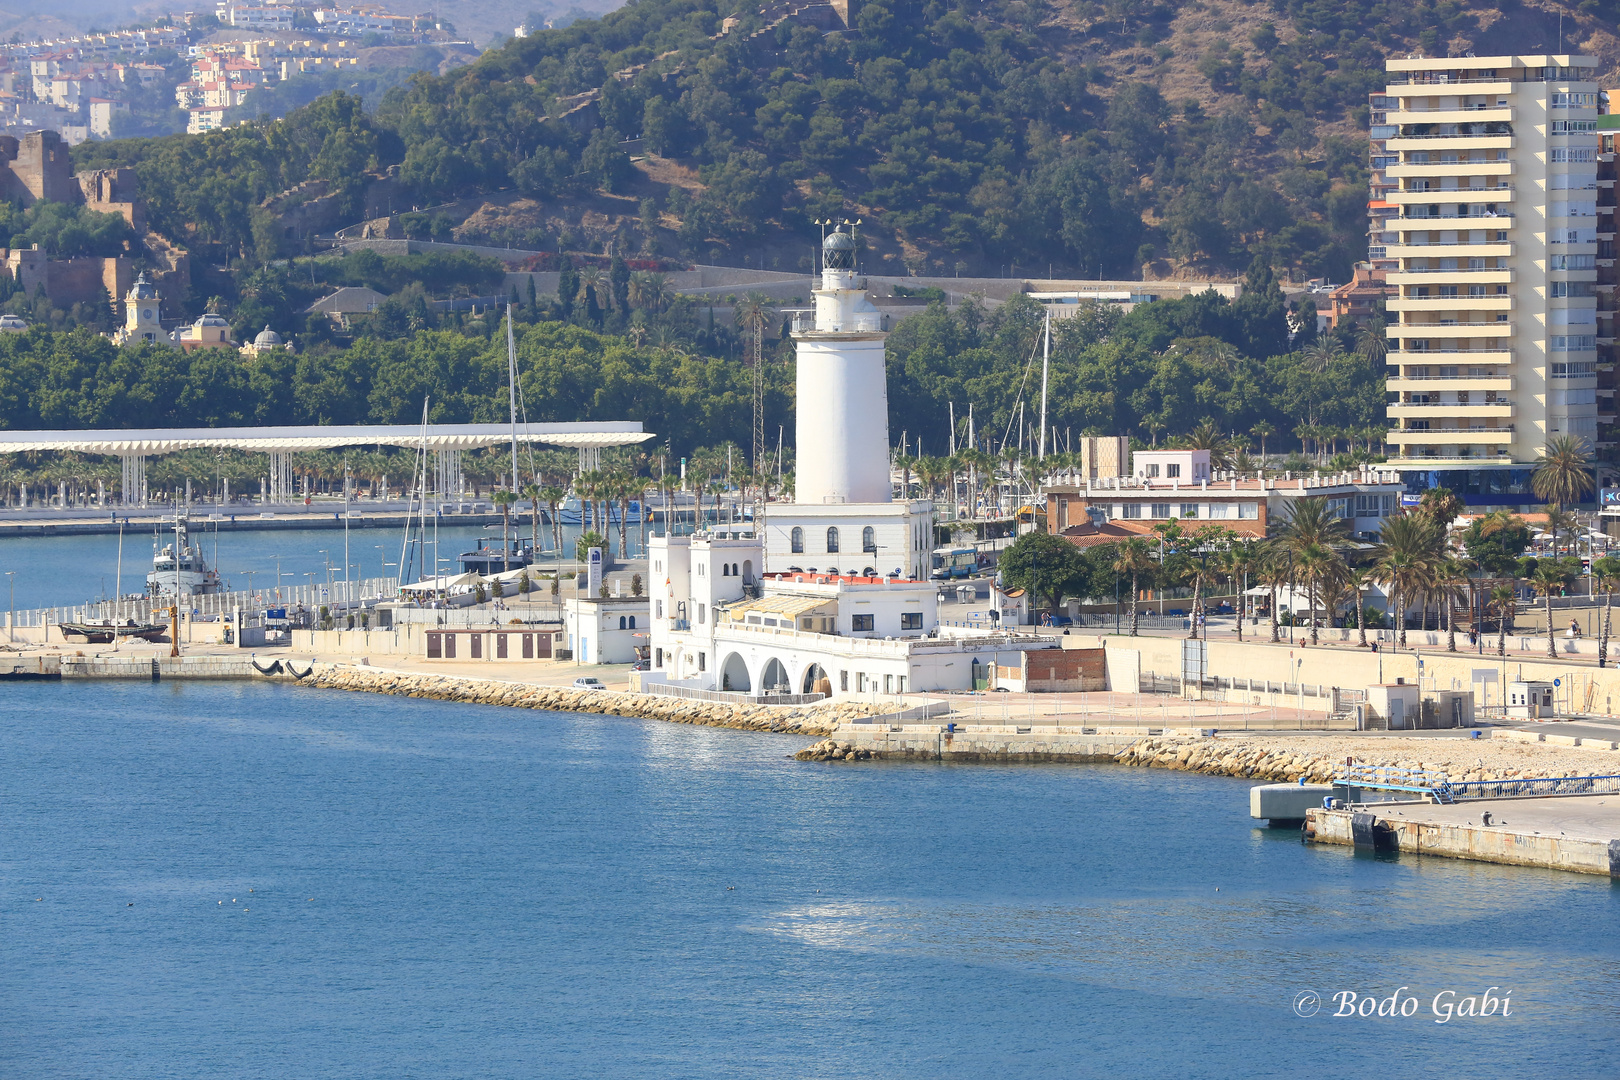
x: 970, y: 744
x: 1576, y: 833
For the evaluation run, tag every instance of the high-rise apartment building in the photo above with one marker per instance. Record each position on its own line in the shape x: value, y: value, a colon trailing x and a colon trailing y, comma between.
x: 1493, y: 325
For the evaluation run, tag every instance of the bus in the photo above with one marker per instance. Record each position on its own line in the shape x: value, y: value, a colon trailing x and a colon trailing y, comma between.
x: 954, y: 563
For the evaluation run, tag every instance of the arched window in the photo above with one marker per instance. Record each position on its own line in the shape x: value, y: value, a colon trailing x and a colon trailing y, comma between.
x: 733, y: 569
x: 725, y: 570
x: 832, y: 539
x: 621, y: 622
x: 798, y: 540
x: 869, y: 539
x: 632, y: 622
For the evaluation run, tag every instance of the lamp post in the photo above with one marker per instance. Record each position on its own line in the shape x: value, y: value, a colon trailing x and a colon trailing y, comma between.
x: 11, y: 620
x: 380, y: 558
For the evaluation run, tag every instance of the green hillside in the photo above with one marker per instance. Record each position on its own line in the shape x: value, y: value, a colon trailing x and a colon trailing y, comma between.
x: 968, y: 137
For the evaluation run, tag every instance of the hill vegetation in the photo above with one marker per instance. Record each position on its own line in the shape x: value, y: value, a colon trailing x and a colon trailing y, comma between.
x: 1095, y: 137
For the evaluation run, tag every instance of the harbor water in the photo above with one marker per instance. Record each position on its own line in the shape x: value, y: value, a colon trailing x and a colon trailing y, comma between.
x: 249, y: 880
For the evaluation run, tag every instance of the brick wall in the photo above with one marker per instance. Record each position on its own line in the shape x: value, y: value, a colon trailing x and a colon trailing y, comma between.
x: 1063, y: 671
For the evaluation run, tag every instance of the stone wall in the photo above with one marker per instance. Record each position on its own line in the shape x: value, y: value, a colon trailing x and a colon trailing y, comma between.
x: 787, y: 720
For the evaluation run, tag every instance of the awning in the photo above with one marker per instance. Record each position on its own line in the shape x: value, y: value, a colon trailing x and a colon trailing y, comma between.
x: 442, y: 584
x: 791, y: 606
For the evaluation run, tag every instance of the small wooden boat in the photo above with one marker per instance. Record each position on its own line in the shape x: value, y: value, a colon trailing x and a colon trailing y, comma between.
x: 96, y: 635
x: 144, y: 631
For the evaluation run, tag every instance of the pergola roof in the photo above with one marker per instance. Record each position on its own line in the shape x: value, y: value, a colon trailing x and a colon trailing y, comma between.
x: 288, y: 439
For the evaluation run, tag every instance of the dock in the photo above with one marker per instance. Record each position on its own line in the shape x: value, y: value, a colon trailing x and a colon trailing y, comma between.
x: 1576, y: 833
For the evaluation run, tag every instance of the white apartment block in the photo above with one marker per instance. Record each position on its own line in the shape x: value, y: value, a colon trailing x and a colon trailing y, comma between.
x: 1493, y: 332
x: 245, y: 17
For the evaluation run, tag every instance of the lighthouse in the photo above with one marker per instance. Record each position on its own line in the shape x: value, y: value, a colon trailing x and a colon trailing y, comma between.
x: 844, y: 518
x: 842, y: 424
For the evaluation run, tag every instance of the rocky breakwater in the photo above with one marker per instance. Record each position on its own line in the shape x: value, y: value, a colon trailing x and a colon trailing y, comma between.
x: 1260, y: 759
x: 833, y: 750
x: 814, y: 720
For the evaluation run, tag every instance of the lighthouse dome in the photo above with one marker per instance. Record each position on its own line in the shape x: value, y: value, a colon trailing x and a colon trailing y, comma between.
x: 838, y: 251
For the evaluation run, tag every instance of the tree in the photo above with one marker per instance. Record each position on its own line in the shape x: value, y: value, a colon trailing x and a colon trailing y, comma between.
x: 1564, y: 475
x: 1606, y: 572
x: 1441, y: 506
x: 1044, y: 565
x: 586, y: 541
x: 532, y: 493
x: 504, y: 499
x: 1136, y: 560
x: 1503, y: 600
x: 1551, y: 576
x: 1406, y: 563
x: 553, y: 496
x: 1558, y: 520
x: 1358, y: 578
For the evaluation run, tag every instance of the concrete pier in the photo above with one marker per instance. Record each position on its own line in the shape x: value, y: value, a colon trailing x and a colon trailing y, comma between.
x: 1578, y: 833
x: 984, y: 743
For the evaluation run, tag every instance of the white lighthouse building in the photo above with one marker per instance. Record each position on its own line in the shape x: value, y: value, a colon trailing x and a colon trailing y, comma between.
x: 843, y: 518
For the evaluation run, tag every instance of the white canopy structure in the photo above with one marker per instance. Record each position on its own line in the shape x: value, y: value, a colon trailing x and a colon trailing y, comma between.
x: 265, y: 440
x: 446, y: 440
x: 446, y: 584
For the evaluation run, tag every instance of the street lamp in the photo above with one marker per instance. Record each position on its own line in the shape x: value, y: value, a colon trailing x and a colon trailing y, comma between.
x: 380, y: 558
x: 11, y: 622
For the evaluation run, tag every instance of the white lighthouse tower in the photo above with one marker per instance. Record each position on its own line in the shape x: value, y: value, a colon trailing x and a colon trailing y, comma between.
x: 842, y: 396
x: 843, y: 516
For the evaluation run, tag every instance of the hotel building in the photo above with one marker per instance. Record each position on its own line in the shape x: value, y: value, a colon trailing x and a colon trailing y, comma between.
x: 1493, y: 330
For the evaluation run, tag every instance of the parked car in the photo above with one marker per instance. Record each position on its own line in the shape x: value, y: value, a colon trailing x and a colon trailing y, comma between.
x: 641, y: 665
x: 589, y: 682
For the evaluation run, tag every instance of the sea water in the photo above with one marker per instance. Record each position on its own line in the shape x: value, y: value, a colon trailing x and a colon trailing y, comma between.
x: 237, y: 880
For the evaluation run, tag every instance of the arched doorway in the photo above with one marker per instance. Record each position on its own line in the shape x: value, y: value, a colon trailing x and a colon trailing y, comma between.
x: 775, y: 677
x: 814, y: 675
x: 734, y: 674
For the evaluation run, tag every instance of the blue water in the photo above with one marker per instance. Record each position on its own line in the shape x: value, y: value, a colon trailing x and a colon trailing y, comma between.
x: 63, y: 570
x: 335, y: 885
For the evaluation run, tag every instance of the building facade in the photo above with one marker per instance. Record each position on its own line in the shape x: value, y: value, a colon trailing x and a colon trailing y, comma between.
x: 1493, y: 339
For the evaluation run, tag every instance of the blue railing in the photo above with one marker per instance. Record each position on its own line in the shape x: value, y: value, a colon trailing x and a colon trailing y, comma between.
x: 1436, y: 786
x: 1557, y: 785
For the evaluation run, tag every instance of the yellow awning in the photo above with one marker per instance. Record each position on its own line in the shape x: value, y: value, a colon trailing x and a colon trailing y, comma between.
x: 791, y: 606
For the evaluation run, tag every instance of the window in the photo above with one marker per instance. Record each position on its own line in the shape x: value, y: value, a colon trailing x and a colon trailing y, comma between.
x: 1172, y: 470
x: 1131, y: 510
x: 832, y: 540
x: 843, y: 682
x: 900, y: 684
x: 700, y: 614
x: 888, y: 684
x: 703, y: 661
x: 1249, y: 511
x: 621, y: 622
x: 658, y: 658
x: 858, y: 623
x: 658, y: 609
x: 632, y: 622
x: 1569, y: 153
x: 1572, y: 343
x: 725, y: 571
x: 1153, y: 471
x: 1160, y: 510
x: 1189, y: 510
x: 911, y: 620
x: 869, y: 539
x: 796, y: 540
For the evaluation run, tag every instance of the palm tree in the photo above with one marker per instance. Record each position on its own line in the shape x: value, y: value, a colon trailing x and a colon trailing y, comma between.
x: 1564, y: 475
x: 1358, y: 578
x: 1207, y: 437
x: 1551, y: 576
x: 624, y: 485
x: 1239, y: 560
x: 504, y: 499
x: 1319, y: 565
x: 1134, y: 559
x: 1606, y: 572
x: 1321, y: 355
x: 532, y: 493
x: 1262, y: 431
x: 592, y: 287
x: 1406, y: 563
x: 1503, y: 599
x: 1276, y: 572
x: 554, y: 495
x: 1558, y: 519
x: 1449, y: 573
x: 1371, y: 342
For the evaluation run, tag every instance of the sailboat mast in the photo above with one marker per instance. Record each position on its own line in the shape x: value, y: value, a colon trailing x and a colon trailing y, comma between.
x: 511, y: 393
x: 1046, y: 370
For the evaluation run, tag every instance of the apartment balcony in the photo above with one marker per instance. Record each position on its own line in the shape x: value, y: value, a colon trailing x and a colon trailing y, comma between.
x: 1423, y: 249
x: 1454, y: 436
x: 1493, y: 276
x: 1431, y: 461
x: 1453, y: 331
x: 1449, y: 303
x: 1411, y: 196
x: 1437, y: 383
x: 1449, y: 142
x: 1410, y: 222
x: 1397, y: 87
x: 1436, y: 411
x: 1462, y: 114
x: 1450, y: 168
